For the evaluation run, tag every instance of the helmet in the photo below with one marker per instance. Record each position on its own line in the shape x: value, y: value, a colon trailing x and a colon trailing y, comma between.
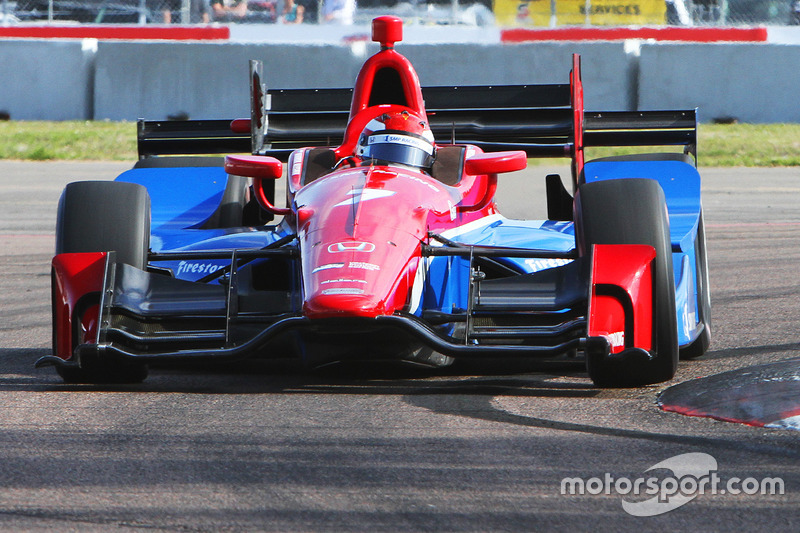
x: 398, y: 138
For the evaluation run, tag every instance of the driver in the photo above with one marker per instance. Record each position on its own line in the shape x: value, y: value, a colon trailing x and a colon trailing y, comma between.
x: 401, y: 138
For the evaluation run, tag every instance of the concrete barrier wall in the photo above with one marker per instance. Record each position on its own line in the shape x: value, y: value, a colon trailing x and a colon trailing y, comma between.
x: 154, y: 80
x: 46, y: 80
x: 68, y: 80
x: 605, y: 67
x: 749, y: 82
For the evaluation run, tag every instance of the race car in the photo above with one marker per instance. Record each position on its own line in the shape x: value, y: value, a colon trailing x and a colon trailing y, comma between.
x: 390, y: 244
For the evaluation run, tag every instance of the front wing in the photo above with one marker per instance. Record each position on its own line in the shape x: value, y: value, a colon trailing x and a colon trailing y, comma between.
x: 602, y: 304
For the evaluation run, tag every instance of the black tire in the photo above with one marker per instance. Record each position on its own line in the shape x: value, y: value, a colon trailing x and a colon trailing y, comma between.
x: 632, y: 211
x: 700, y: 345
x: 101, y: 216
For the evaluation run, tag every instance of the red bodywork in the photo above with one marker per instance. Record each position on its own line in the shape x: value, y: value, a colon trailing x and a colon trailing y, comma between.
x: 77, y: 284
x: 361, y: 248
x: 360, y: 228
x: 622, y: 290
x: 576, y: 89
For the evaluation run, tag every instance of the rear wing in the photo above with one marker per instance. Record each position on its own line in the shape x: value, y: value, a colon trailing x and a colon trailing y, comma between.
x: 543, y: 120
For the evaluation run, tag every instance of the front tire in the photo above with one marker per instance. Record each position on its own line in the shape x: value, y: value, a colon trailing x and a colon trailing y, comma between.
x: 632, y: 211
x: 102, y: 216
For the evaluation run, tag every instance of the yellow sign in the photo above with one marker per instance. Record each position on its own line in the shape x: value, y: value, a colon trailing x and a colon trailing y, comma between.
x: 580, y: 12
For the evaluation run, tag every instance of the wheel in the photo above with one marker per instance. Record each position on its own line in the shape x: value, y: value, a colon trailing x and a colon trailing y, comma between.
x: 632, y: 211
x: 100, y: 216
x: 700, y: 345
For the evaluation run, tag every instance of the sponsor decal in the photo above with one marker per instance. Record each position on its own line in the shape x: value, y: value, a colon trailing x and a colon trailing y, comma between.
x: 391, y: 138
x: 615, y: 9
x: 342, y: 281
x: 186, y: 267
x: 343, y: 290
x: 297, y: 166
x: 351, y: 246
x: 327, y: 267
x: 616, y: 339
x: 578, y: 12
x: 364, y: 266
x: 543, y: 264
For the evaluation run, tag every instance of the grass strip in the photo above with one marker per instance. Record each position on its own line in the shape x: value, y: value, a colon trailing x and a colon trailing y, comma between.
x: 719, y: 145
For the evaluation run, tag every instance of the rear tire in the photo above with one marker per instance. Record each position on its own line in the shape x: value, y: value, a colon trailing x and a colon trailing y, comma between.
x: 632, y: 211
x: 102, y: 216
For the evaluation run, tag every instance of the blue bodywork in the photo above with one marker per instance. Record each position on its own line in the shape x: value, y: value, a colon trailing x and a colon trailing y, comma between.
x: 182, y: 200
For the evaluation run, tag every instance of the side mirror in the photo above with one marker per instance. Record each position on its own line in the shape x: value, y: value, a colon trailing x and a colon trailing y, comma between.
x: 259, y: 168
x: 254, y: 166
x: 496, y: 163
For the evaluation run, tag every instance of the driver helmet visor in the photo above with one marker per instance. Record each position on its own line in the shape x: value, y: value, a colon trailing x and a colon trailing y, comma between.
x: 400, y: 148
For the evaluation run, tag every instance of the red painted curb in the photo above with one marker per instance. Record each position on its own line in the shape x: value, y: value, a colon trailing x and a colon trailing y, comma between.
x: 125, y: 33
x: 702, y: 35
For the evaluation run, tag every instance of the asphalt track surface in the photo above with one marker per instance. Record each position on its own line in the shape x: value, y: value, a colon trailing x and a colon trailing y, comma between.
x: 270, y: 446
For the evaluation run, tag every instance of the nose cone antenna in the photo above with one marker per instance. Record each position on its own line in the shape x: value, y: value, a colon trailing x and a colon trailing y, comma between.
x: 387, y: 30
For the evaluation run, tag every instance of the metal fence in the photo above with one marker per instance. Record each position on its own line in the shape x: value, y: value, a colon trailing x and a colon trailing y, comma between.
x: 109, y: 11
x: 777, y: 12
x: 139, y: 11
x: 548, y: 13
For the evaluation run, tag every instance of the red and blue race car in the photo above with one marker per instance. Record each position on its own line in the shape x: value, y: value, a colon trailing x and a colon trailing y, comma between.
x: 390, y: 245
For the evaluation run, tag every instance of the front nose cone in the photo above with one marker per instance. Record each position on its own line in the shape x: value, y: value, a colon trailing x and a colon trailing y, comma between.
x: 342, y: 303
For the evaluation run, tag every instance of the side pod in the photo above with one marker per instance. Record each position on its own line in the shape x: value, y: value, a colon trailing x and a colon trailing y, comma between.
x: 621, y: 296
x: 77, y: 280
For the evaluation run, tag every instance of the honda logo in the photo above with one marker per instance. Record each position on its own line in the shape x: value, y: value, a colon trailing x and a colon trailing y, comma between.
x: 351, y: 246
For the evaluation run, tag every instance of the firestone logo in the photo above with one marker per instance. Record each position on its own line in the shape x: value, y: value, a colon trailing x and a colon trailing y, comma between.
x: 185, y: 267
x: 693, y: 474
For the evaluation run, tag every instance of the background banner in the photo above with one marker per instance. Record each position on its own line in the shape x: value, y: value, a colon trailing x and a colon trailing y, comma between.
x: 549, y: 13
